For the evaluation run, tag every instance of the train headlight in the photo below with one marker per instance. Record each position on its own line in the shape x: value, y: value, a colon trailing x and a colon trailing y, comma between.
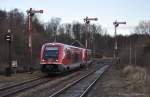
x: 43, y: 60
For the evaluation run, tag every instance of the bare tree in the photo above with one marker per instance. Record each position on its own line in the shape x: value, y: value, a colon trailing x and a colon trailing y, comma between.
x: 68, y: 29
x: 52, y: 27
x: 143, y: 28
x: 76, y: 28
x: 61, y: 29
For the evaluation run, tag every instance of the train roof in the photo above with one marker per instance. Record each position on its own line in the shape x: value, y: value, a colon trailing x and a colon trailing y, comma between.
x: 61, y: 44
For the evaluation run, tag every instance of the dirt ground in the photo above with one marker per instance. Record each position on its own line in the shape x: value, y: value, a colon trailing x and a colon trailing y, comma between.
x: 114, y: 84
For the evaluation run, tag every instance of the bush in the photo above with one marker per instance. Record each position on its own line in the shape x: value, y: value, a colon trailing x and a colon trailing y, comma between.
x: 136, y: 77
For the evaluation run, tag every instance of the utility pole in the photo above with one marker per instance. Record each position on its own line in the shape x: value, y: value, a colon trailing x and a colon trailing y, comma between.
x: 87, y: 23
x: 30, y: 14
x: 132, y: 52
x: 116, y: 24
x: 135, y: 55
x: 130, y: 56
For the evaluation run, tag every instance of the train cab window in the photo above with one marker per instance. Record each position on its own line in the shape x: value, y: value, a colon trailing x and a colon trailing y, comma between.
x: 51, y: 53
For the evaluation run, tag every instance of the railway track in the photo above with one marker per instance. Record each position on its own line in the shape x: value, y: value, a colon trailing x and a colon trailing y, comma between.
x: 17, y: 84
x: 80, y: 87
x: 17, y: 88
x: 13, y: 89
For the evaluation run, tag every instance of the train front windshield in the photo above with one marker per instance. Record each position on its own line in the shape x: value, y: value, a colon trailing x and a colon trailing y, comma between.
x: 51, y: 53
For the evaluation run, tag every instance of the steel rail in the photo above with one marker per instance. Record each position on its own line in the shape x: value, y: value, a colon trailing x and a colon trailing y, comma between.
x: 69, y: 85
x: 20, y: 87
x: 56, y: 94
x: 20, y: 83
x: 94, y: 82
x: 14, y: 89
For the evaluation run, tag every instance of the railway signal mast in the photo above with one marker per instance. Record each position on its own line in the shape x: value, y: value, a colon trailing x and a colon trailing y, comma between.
x: 116, y: 24
x: 9, y: 38
x: 30, y: 14
x: 87, y: 23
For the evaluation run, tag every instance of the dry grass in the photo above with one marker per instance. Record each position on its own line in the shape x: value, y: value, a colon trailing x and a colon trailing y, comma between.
x: 137, y: 78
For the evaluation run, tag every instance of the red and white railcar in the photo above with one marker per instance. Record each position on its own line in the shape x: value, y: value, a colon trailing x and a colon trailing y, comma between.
x: 58, y: 57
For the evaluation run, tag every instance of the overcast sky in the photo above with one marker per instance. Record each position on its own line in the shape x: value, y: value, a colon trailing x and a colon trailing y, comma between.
x: 107, y: 11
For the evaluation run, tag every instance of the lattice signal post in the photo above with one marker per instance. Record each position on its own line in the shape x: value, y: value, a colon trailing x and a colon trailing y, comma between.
x: 30, y: 14
x: 87, y: 23
x: 116, y: 24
